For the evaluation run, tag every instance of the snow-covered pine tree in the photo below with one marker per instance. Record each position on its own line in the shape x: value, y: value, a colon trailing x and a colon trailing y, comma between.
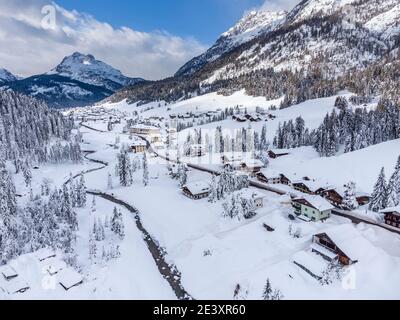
x: 81, y: 192
x: 117, y: 223
x: 350, y: 200
x: 379, y: 195
x: 145, y: 171
x: 394, y: 187
x: 182, y: 175
x: 109, y: 182
x: 213, y: 190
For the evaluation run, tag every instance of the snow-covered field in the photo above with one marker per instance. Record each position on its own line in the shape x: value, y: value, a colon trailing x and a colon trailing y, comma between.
x: 215, y: 254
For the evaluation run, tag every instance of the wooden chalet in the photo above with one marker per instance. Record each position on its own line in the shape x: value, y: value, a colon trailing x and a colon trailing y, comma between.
x: 309, y: 187
x: 196, y: 190
x: 251, y: 166
x: 280, y: 178
x: 139, y: 146
x: 273, y: 154
x: 392, y: 216
x: 339, y: 244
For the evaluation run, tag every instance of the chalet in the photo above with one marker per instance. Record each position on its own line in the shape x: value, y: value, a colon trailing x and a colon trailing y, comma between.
x: 251, y: 166
x: 273, y: 154
x: 312, y: 208
x: 54, y: 266
x: 363, y: 198
x: 254, y: 195
x: 338, y: 243
x: 272, y: 178
x: 334, y: 196
x: 142, y: 129
x: 196, y: 150
x: 309, y: 187
x: 233, y: 159
x: 139, y: 146
x: 240, y: 119
x: 196, y: 190
x: 392, y: 216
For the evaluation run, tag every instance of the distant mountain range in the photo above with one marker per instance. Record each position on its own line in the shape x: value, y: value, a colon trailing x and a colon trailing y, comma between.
x: 314, y: 50
x: 77, y: 81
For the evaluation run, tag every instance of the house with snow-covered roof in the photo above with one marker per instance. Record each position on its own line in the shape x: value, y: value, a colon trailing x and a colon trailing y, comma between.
x: 196, y: 190
x: 312, y: 208
x: 341, y: 243
x: 392, y: 216
x: 251, y: 166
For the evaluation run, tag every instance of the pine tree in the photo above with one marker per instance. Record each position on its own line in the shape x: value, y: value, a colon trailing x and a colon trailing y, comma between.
x: 92, y: 248
x: 213, y: 190
x: 394, y: 187
x: 117, y: 224
x: 267, y: 293
x: 350, y: 200
x: 182, y: 175
x: 81, y: 192
x: 145, y: 171
x: 109, y: 182
x: 379, y: 196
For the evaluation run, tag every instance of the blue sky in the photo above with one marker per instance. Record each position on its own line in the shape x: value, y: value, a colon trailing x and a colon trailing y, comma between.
x: 151, y: 39
x: 204, y: 20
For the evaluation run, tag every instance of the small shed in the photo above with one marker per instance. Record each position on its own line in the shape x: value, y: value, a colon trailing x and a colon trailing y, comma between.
x: 8, y: 272
x: 69, y: 278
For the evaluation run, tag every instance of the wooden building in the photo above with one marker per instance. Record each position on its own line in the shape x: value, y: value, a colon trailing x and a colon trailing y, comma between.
x: 338, y: 244
x: 196, y: 190
x: 251, y: 166
x: 392, y: 216
x: 139, y: 146
x: 273, y: 154
x: 272, y: 178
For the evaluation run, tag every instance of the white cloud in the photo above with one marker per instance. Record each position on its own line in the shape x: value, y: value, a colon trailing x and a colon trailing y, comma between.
x: 26, y: 48
x: 279, y: 4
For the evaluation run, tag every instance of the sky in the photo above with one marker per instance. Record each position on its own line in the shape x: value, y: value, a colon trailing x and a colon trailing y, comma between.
x: 149, y: 39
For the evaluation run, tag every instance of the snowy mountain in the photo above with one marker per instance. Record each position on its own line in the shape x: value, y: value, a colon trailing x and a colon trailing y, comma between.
x: 6, y: 76
x: 314, y: 50
x: 249, y: 27
x: 77, y: 81
x: 86, y: 69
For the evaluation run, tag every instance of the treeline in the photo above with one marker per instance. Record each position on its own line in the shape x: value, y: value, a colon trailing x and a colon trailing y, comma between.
x: 347, y: 129
x: 29, y: 130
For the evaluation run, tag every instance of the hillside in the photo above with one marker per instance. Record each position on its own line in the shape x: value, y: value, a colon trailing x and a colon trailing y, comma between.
x: 314, y: 50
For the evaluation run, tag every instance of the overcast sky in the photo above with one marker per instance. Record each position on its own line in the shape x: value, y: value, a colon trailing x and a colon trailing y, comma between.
x: 152, y: 47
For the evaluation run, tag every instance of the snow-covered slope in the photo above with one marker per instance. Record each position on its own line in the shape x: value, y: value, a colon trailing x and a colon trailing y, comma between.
x: 6, y: 76
x: 315, y: 50
x: 87, y: 69
x: 250, y: 26
x: 77, y: 81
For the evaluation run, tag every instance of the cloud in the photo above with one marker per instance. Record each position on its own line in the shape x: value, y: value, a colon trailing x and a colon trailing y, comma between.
x: 28, y: 46
x: 279, y: 4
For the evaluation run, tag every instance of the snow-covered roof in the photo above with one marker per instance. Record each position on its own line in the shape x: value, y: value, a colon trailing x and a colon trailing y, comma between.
x: 69, y: 278
x: 198, y: 187
x: 45, y: 253
x: 144, y: 126
x: 311, y: 185
x: 233, y: 156
x: 252, y: 163
x: 392, y: 209
x: 8, y: 272
x: 15, y: 285
x: 348, y: 239
x: 279, y: 151
x: 139, y: 143
x: 312, y: 262
x: 55, y: 265
x: 324, y: 251
x: 318, y: 202
x: 248, y: 193
x: 269, y: 173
